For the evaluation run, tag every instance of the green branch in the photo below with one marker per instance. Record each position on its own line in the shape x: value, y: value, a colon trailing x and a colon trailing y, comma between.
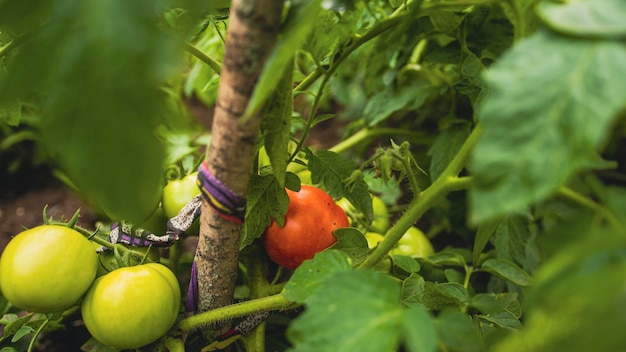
x: 202, y: 56
x: 269, y: 303
x: 580, y: 199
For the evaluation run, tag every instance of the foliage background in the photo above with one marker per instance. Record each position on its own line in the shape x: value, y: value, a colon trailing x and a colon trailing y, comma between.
x: 526, y: 96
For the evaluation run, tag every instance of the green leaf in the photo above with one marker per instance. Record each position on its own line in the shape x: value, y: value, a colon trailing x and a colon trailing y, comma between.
x: 437, y: 296
x: 310, y: 276
x: 447, y: 258
x: 457, y: 331
x: 502, y: 319
x: 357, y: 311
x: 298, y: 24
x: 515, y: 240
x: 352, y: 242
x: 485, y: 230
x: 266, y: 199
x: 526, y: 128
x: 586, y: 18
x: 13, y: 324
x: 420, y: 334
x: 276, y: 125
x: 445, y: 147
x: 333, y: 171
x: 412, y: 290
x: 23, y: 331
x: 101, y: 100
x: 406, y: 264
x: 395, y: 98
x: 507, y: 270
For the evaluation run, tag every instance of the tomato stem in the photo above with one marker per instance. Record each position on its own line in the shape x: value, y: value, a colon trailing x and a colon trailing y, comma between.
x: 269, y: 303
x: 202, y: 56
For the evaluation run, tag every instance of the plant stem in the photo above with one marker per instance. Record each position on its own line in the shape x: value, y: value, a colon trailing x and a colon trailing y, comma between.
x: 202, y: 56
x: 369, y: 133
x: 578, y: 198
x: 269, y: 303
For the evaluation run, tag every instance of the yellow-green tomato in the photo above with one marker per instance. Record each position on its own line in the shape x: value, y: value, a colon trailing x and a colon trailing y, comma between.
x: 380, y: 223
x: 414, y: 243
x: 47, y: 268
x: 132, y: 306
x: 373, y: 239
x: 177, y: 193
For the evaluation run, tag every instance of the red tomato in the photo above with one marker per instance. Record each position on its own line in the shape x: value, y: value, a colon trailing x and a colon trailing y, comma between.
x: 311, y: 218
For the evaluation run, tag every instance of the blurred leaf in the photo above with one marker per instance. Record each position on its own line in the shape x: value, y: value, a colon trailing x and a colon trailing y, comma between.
x: 586, y: 18
x: 576, y: 301
x: 101, y: 100
x: 507, y: 270
x: 276, y: 124
x: 310, y: 275
x: 333, y: 171
x: 457, y: 331
x: 11, y: 112
x: 420, y: 334
x: 266, y: 200
x: 526, y: 129
x: 356, y: 311
x: 300, y: 20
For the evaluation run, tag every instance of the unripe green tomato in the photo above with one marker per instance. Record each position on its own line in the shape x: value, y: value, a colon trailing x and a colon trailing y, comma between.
x: 305, y: 177
x: 380, y: 223
x: 414, y: 243
x: 176, y: 194
x: 132, y: 306
x: 47, y: 268
x: 373, y: 239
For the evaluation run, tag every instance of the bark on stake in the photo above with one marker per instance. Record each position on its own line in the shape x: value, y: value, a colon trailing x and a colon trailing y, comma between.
x: 254, y: 26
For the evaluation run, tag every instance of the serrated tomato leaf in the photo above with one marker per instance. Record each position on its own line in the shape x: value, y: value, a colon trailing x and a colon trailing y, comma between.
x: 266, y: 200
x: 353, y: 305
x: 335, y: 172
x: 507, y: 270
x: 310, y: 275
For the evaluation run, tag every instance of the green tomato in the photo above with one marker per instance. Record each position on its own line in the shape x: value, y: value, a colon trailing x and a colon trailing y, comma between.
x: 47, y: 268
x: 132, y: 306
x: 176, y: 194
x: 414, y: 243
x: 373, y: 239
x: 380, y: 223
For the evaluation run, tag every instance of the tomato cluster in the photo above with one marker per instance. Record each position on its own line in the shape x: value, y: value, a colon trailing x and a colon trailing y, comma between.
x: 126, y: 308
x: 311, y: 218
